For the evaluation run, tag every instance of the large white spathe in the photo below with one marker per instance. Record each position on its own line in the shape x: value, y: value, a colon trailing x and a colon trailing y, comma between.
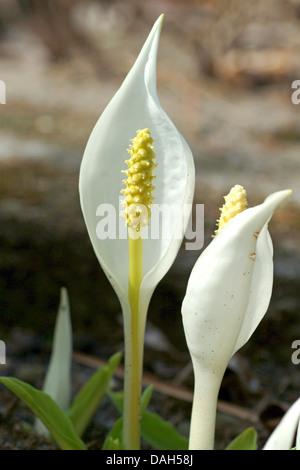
x: 228, y: 294
x: 135, y: 106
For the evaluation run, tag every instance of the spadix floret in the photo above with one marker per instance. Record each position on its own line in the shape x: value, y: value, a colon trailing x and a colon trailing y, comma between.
x: 235, y: 203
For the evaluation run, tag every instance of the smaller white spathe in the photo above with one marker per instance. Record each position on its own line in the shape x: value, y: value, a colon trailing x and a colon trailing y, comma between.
x: 230, y: 287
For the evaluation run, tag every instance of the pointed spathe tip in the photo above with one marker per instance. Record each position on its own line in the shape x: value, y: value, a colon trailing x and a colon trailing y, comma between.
x: 286, y: 192
x: 279, y: 196
x: 159, y: 22
x: 161, y: 18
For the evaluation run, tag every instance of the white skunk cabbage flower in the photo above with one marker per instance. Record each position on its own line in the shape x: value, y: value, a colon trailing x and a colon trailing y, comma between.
x: 227, y: 295
x: 136, y: 111
x: 135, y: 106
x: 282, y: 438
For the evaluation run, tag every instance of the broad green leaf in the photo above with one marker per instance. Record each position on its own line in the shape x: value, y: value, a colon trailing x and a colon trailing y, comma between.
x: 57, y: 382
x: 90, y: 396
x: 114, y: 438
x: 58, y: 423
x: 247, y: 440
x: 160, y: 434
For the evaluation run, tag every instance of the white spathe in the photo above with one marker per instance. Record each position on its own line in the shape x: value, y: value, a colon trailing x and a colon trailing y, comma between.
x: 230, y: 287
x: 135, y: 106
x: 228, y: 293
x: 58, y: 383
x: 283, y: 436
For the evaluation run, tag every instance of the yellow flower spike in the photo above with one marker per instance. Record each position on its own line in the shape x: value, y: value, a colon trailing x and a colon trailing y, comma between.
x: 139, y: 188
x: 235, y: 203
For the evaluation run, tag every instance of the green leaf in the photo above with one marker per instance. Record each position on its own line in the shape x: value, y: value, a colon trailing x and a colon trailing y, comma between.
x: 114, y: 438
x: 247, y: 440
x: 57, y: 382
x: 112, y: 444
x: 117, y: 398
x: 90, y: 396
x: 58, y: 423
x: 160, y: 434
x: 146, y: 397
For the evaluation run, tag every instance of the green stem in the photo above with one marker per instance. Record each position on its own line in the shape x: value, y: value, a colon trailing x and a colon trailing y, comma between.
x: 134, y: 343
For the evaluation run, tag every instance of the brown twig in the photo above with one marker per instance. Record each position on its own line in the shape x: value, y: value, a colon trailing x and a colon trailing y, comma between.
x: 167, y: 388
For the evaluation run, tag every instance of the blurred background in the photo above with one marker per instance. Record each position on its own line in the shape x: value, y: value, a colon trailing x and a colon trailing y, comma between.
x: 224, y: 76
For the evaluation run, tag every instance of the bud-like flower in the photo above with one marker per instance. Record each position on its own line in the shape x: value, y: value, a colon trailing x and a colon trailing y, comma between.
x: 228, y: 294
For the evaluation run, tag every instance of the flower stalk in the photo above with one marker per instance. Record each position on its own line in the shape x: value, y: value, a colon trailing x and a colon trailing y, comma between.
x: 134, y: 329
x: 203, y: 417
